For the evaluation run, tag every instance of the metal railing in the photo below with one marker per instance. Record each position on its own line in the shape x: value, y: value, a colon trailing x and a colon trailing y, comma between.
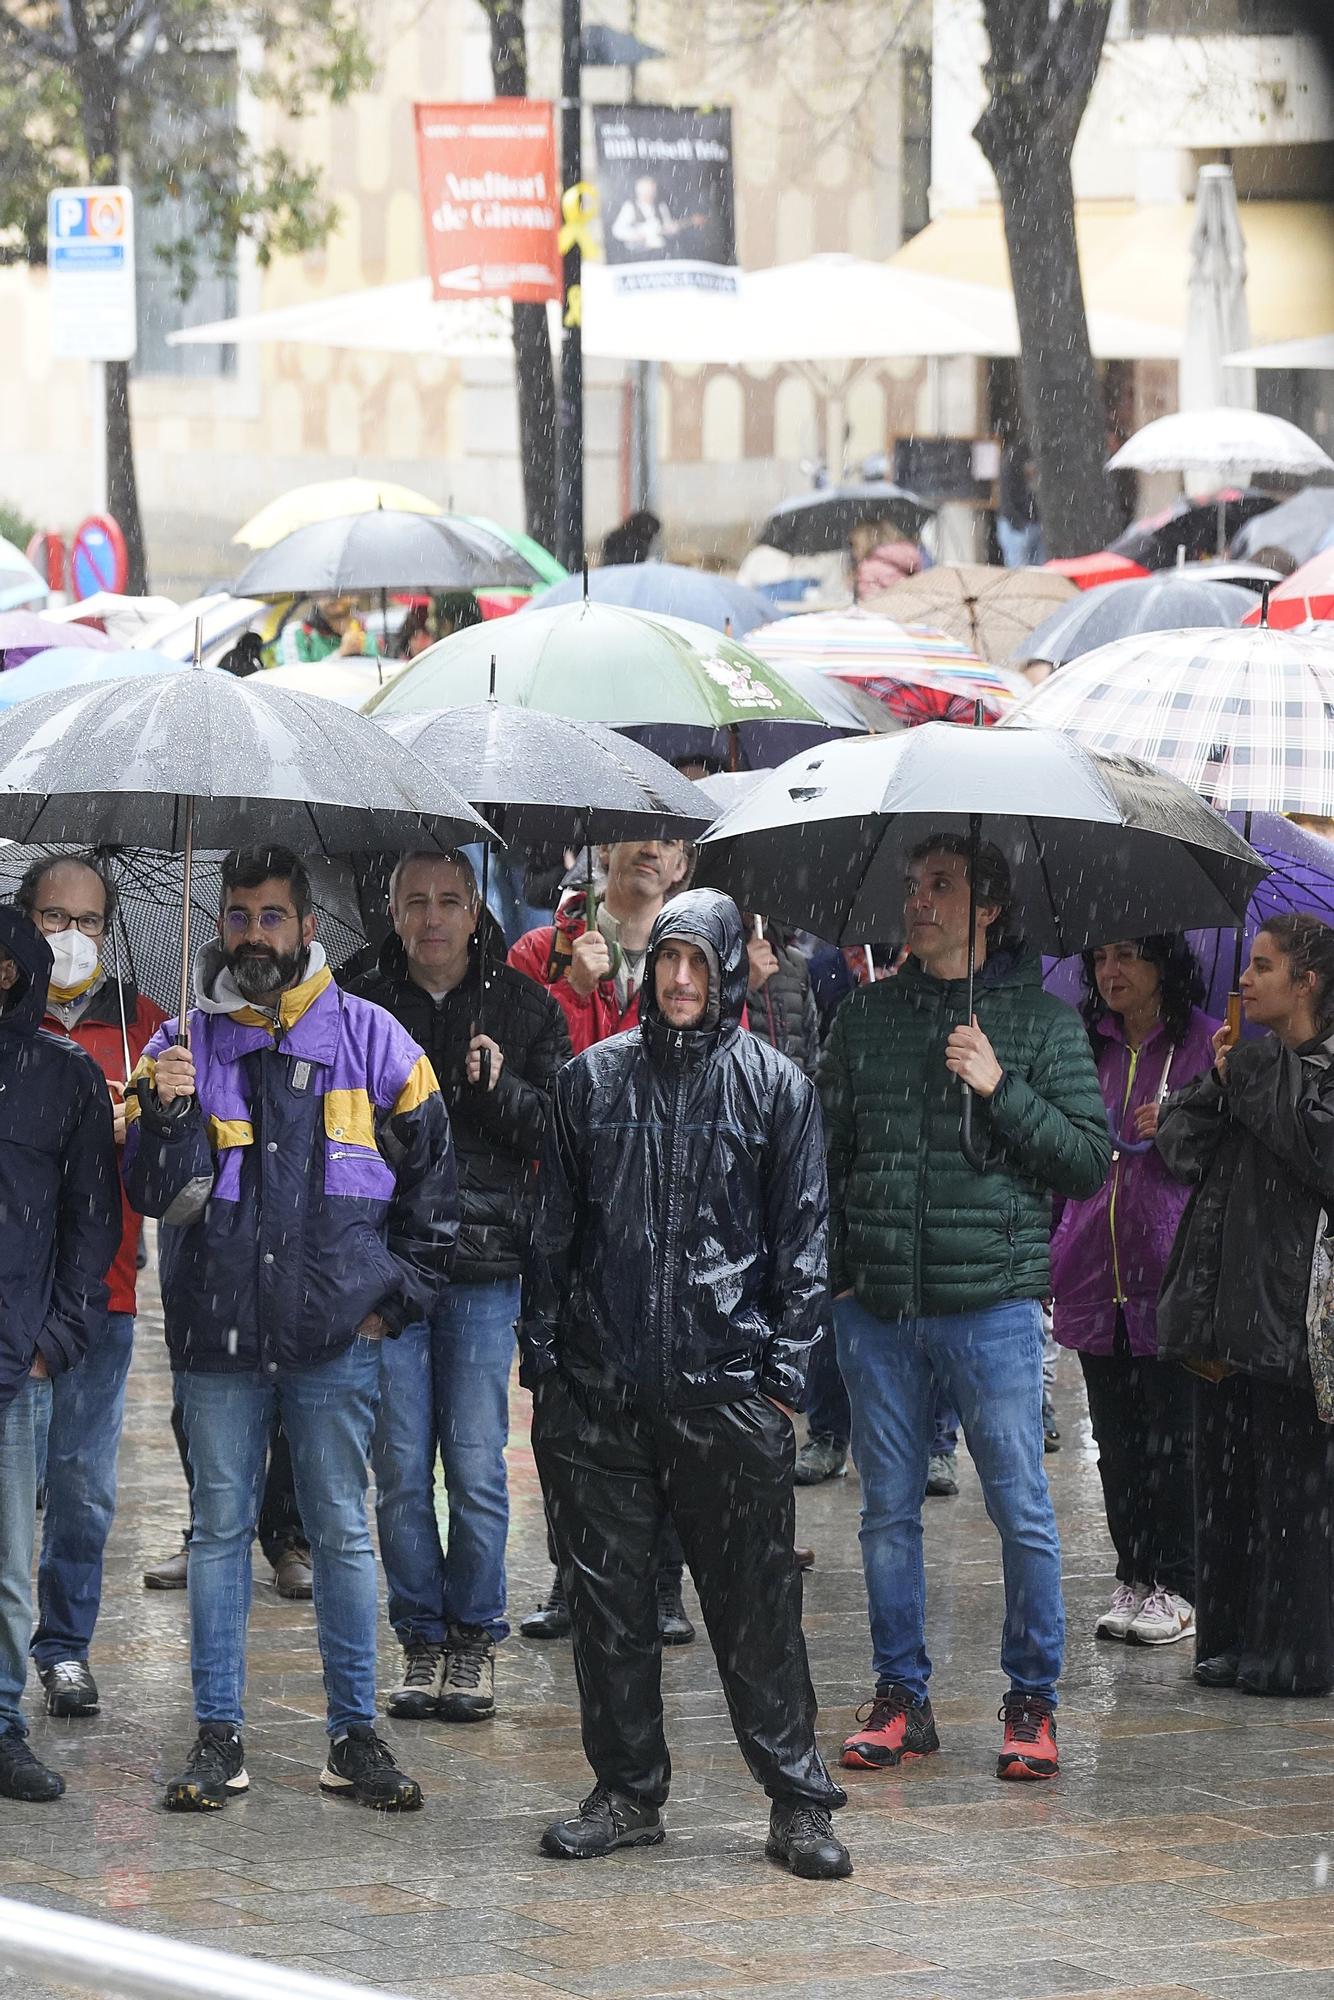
x: 130, y: 1965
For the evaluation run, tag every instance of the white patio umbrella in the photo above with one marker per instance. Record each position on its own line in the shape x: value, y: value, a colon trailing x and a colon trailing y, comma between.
x: 1316, y: 352
x: 1231, y: 444
x: 1217, y: 321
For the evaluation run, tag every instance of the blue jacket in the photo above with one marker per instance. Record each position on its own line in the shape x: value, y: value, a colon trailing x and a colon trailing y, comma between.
x: 59, y: 1192
x: 310, y: 1182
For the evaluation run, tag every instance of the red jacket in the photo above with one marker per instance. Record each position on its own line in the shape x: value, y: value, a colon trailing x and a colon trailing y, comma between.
x: 98, y: 1031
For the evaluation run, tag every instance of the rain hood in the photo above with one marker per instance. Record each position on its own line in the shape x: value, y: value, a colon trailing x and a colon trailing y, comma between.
x: 25, y: 1005
x: 713, y: 922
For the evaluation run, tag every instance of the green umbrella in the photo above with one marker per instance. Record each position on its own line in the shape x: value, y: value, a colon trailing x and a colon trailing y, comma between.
x: 542, y: 560
x: 599, y: 663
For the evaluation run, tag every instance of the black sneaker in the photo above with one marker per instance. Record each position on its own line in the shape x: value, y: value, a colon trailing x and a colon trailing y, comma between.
x: 214, y: 1770
x: 468, y: 1692
x: 551, y: 1620
x: 803, y: 1839
x: 674, y: 1628
x: 21, y: 1775
x: 604, y: 1822
x: 361, y: 1767
x: 70, y: 1688
x: 417, y: 1697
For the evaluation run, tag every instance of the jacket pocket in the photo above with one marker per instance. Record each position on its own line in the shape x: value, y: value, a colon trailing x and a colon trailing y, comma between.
x: 359, y: 1171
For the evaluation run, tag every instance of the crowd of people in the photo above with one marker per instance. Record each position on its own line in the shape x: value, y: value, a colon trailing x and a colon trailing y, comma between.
x: 709, y: 1190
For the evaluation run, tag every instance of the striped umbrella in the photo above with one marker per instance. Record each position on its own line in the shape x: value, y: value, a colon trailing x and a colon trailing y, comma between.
x: 919, y: 674
x: 1246, y: 718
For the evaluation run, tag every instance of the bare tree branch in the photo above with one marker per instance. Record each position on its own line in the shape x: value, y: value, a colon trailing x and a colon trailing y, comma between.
x: 35, y: 45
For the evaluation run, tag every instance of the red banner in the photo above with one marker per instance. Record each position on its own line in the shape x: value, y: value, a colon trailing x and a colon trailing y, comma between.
x: 490, y: 199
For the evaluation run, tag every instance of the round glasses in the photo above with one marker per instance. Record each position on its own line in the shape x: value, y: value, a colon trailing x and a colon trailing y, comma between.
x: 54, y: 920
x: 239, y: 921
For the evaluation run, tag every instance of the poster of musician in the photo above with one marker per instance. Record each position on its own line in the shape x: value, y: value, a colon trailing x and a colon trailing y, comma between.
x: 665, y: 196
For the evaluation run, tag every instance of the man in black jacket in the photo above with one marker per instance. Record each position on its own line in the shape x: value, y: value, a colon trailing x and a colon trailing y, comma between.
x: 60, y: 1198
x: 677, y: 1285
x: 445, y: 1384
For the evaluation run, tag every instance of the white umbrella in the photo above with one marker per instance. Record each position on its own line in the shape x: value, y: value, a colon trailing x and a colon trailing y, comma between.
x: 223, y: 617
x: 1231, y: 444
x: 122, y: 618
x: 1217, y: 321
x: 1316, y: 352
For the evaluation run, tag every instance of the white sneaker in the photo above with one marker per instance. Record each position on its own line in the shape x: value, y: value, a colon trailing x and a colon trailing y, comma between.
x: 1127, y: 1601
x: 1163, y: 1618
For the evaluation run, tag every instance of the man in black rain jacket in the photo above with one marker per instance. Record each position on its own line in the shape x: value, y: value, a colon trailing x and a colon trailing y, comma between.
x: 676, y: 1288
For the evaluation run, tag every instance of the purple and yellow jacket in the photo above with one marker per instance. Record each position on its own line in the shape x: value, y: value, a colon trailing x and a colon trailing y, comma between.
x: 310, y: 1182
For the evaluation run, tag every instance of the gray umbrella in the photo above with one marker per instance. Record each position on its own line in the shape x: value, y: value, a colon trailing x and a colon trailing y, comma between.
x: 1164, y: 603
x: 386, y: 550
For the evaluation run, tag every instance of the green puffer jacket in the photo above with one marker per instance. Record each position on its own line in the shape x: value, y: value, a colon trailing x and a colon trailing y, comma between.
x: 913, y: 1229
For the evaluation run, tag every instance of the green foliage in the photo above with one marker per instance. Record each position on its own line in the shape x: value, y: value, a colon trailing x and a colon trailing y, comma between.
x: 16, y: 527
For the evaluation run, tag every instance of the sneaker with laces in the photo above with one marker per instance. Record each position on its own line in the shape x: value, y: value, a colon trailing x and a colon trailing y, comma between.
x: 821, y: 1458
x: 417, y: 1696
x: 803, y: 1839
x: 604, y: 1822
x: 22, y: 1775
x: 940, y: 1481
x: 468, y: 1691
x: 214, y: 1771
x: 895, y: 1729
x: 362, y: 1768
x: 1122, y: 1612
x: 1028, y: 1749
x: 1162, y: 1619
x: 70, y: 1688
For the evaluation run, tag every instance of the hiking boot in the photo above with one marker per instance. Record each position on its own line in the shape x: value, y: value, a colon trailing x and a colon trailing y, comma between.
x: 803, y: 1839
x: 804, y: 1558
x: 821, y: 1458
x: 940, y: 1481
x: 172, y: 1573
x: 1220, y: 1671
x: 1163, y: 1618
x: 361, y: 1767
x: 22, y: 1776
x: 468, y: 1691
x: 604, y: 1822
x: 674, y: 1628
x: 214, y: 1770
x: 895, y: 1729
x: 1122, y: 1612
x: 417, y: 1696
x: 1029, y: 1746
x: 292, y: 1574
x: 550, y: 1620
x: 70, y: 1688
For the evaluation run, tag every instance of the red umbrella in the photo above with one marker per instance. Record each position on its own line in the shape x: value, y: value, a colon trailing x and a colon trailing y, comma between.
x: 1307, y: 593
x: 1103, y: 566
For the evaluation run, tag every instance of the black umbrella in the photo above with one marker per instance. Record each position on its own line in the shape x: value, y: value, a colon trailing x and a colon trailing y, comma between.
x: 385, y: 550
x: 1301, y: 527
x: 844, y: 710
x: 1099, y: 846
x: 1166, y: 603
x: 813, y: 524
x: 1195, y: 528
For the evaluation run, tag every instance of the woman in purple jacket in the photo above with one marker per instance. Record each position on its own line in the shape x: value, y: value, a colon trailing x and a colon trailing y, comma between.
x: 1108, y: 1256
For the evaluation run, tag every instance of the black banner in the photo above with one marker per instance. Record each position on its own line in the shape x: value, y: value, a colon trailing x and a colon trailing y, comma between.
x: 665, y: 196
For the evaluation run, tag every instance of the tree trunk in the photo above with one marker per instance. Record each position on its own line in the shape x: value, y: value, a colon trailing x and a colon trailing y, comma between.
x: 534, y: 376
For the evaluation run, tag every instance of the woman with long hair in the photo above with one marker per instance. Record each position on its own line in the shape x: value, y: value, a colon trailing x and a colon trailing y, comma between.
x: 1248, y: 1304
x: 1108, y: 1257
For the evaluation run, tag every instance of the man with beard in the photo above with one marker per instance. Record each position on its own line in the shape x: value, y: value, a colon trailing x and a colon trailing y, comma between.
x: 297, y: 1152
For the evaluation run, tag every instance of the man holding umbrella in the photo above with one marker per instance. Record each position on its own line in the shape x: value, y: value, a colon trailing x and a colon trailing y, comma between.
x: 297, y: 1152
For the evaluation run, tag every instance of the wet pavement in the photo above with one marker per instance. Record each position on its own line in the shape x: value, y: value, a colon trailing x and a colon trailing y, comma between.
x: 1180, y: 1853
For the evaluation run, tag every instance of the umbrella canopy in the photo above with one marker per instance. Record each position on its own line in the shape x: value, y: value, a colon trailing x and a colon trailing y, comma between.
x: 1300, y: 527
x: 1103, y: 566
x: 919, y: 675
x: 1098, y: 846
x: 540, y: 777
x: 844, y: 710
x: 350, y: 682
x: 1244, y: 718
x: 223, y: 617
x: 357, y: 553
x: 1115, y: 610
x: 116, y: 763
x: 1307, y: 594
x: 813, y: 524
x: 329, y: 500
x: 1217, y: 322
x: 23, y: 633
x: 987, y: 608
x: 600, y: 663
x: 671, y: 588
x: 121, y: 618
x: 20, y: 583
x: 75, y: 667
x: 1229, y: 443
x: 547, y: 569
x: 1158, y: 540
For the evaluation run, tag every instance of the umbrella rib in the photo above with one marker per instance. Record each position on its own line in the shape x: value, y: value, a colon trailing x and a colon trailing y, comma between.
x: 1047, y: 883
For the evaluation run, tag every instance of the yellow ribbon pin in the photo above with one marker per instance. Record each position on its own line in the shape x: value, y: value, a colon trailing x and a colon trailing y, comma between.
x: 579, y: 212
x: 574, y: 306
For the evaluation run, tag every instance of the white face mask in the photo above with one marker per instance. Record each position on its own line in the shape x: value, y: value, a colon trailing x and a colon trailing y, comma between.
x: 75, y: 958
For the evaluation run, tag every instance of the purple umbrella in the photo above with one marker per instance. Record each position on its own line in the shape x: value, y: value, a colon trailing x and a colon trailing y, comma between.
x: 1302, y: 879
x: 23, y: 633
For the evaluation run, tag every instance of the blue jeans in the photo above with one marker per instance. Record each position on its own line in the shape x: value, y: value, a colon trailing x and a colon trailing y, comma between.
x: 328, y: 1413
x: 446, y: 1385
x: 22, y: 1439
x: 87, y: 1408
x: 826, y: 1402
x: 989, y: 1364
x: 945, y: 1425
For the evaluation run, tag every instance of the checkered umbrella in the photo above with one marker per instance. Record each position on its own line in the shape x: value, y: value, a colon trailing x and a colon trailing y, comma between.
x: 1245, y: 718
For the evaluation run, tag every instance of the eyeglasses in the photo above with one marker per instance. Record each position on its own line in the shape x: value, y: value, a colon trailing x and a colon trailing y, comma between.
x: 60, y: 920
x: 239, y: 921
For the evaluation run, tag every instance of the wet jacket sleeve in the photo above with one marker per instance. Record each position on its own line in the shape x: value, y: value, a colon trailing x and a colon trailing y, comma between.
x: 1053, y: 1124
x: 796, y: 1225
x: 168, y: 1164
x: 1191, y: 1122
x: 840, y: 1143
x: 514, y: 1114
x: 547, y: 1277
x: 423, y: 1221
x: 1288, y: 1105
x: 87, y: 1236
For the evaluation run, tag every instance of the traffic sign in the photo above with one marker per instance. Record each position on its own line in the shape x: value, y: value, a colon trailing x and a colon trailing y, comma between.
x: 90, y: 258
x: 98, y: 558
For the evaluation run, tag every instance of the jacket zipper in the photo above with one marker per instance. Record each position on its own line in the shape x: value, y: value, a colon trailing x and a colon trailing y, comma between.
x: 923, y: 1148
x: 1116, y: 1178
x: 670, y: 1227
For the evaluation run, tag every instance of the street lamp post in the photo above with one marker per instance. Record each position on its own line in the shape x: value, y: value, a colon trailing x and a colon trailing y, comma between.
x: 570, y: 432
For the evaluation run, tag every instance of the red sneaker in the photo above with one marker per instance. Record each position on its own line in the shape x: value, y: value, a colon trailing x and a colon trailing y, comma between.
x: 894, y: 1730
x: 1029, y: 1748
